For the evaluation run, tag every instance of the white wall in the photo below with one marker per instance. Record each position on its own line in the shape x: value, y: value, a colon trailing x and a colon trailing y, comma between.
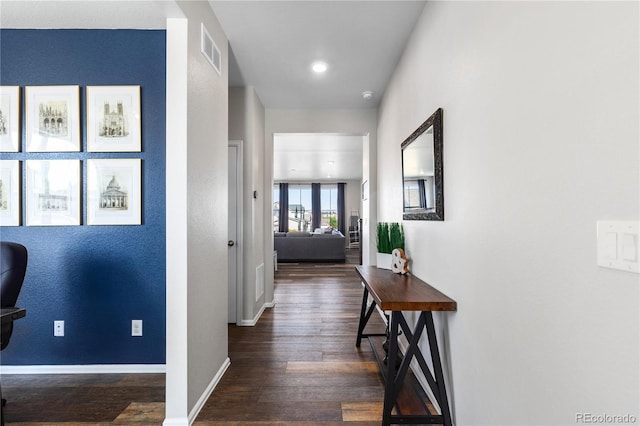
x: 247, y: 123
x: 541, y: 139
x: 353, y: 201
x: 352, y: 197
x: 197, y: 136
x: 262, y: 221
x: 237, y: 113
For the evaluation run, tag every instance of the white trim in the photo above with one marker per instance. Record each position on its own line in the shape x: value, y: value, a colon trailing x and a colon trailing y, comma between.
x: 176, y: 422
x: 177, y: 270
x: 208, y: 391
x: 239, y: 144
x: 270, y: 305
x: 260, y: 281
x: 83, y: 369
x: 254, y: 321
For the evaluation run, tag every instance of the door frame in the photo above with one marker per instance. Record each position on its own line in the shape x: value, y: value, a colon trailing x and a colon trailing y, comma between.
x: 239, y: 230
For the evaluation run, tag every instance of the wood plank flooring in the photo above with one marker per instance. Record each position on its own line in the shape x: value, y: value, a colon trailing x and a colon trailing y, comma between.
x: 297, y: 366
x: 79, y: 399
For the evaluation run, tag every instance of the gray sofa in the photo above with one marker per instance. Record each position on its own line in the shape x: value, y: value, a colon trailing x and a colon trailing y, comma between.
x: 309, y: 247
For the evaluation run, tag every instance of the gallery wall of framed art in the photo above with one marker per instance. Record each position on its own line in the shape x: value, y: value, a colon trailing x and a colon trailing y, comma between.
x: 99, y: 270
x: 52, y: 191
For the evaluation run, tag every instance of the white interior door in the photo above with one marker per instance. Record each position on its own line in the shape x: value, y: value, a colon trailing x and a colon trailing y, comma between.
x: 233, y: 234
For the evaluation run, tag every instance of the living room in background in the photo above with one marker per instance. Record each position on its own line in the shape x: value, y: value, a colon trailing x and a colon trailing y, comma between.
x: 313, y: 218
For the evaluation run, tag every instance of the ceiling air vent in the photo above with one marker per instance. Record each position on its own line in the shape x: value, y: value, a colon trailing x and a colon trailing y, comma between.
x: 210, y: 50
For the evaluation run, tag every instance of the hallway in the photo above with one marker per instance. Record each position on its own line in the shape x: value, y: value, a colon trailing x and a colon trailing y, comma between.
x: 299, y: 364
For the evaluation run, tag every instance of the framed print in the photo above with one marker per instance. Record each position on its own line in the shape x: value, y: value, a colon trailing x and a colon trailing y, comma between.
x: 9, y: 193
x: 53, y: 118
x: 9, y: 118
x: 53, y: 192
x: 114, y: 194
x: 113, y: 119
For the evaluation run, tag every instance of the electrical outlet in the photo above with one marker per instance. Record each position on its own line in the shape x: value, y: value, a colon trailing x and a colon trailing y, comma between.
x: 136, y: 327
x: 58, y: 328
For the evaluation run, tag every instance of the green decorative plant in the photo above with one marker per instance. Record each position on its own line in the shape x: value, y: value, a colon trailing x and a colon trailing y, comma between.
x: 396, y: 235
x: 382, y: 238
x: 389, y: 236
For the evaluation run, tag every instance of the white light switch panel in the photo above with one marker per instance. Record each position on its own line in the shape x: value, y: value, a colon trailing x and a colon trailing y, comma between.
x: 618, y: 244
x: 136, y: 327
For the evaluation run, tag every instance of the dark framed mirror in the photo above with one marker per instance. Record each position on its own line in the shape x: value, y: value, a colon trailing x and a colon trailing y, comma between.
x: 422, y: 186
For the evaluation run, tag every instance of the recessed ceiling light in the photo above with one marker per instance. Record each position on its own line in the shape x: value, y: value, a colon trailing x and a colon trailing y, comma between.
x: 319, y: 67
x: 367, y: 94
x: 330, y: 161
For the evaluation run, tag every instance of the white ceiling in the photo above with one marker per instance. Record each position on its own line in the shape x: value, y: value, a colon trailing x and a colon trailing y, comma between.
x: 275, y: 42
x: 314, y: 157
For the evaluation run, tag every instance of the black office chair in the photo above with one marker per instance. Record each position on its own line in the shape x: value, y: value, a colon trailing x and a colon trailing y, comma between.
x: 13, y: 266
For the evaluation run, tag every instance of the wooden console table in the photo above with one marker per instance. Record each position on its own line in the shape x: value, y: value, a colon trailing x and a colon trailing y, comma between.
x: 395, y: 293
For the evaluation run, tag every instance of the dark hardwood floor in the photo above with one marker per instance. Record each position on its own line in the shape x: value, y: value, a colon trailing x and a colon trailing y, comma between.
x: 84, y: 399
x: 297, y: 366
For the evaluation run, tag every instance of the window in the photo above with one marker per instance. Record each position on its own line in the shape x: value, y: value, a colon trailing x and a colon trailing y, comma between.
x: 299, y: 207
x: 329, y: 206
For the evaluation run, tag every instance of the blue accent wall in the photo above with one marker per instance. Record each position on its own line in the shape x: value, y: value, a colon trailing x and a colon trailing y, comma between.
x: 95, y: 278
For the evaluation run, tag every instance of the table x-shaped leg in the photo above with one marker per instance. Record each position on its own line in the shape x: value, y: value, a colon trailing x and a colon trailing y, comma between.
x: 365, y: 314
x: 395, y: 379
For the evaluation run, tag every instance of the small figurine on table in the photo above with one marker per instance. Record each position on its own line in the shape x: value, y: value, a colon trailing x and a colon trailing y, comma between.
x: 399, y: 262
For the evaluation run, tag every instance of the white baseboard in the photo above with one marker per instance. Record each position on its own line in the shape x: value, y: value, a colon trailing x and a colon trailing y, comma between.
x: 176, y: 422
x: 83, y: 369
x: 207, y: 392
x: 270, y: 305
x: 254, y: 321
